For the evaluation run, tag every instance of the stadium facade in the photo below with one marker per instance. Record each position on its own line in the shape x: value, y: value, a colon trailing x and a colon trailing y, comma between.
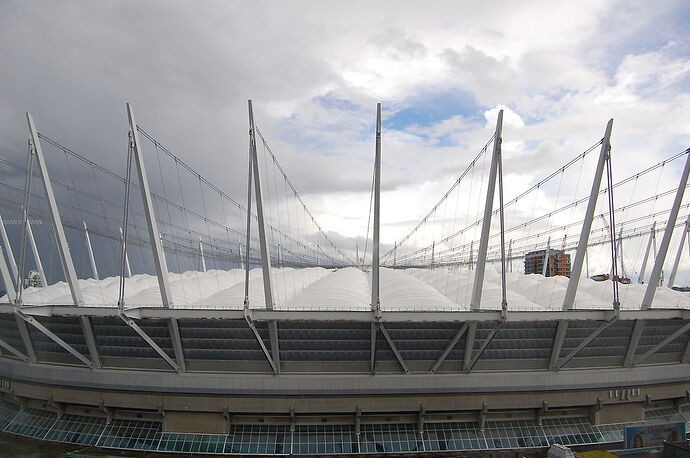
x: 355, y: 361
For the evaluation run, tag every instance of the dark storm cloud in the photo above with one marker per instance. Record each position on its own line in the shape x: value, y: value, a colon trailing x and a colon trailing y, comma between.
x: 188, y: 71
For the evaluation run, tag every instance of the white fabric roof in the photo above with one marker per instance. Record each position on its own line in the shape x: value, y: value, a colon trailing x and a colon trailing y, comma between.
x: 349, y: 288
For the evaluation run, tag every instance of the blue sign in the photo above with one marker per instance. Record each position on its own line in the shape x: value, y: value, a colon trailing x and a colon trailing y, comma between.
x: 654, y: 435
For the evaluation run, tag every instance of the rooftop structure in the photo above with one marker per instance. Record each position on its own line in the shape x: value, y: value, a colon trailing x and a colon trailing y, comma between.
x: 436, y: 344
x: 548, y: 263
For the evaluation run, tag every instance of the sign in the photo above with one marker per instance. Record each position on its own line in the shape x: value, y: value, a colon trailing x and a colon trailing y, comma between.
x: 653, y: 435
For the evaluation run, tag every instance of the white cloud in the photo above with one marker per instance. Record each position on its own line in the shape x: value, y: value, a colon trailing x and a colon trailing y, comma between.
x: 558, y: 69
x: 510, y: 118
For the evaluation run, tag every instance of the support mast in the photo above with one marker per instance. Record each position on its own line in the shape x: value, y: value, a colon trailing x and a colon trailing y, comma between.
x: 676, y: 262
x: 545, y: 267
x: 263, y: 242
x: 63, y: 248
x: 7, y: 278
x: 128, y: 268
x: 37, y: 256
x: 92, y: 259
x: 8, y: 249
x: 152, y: 224
x: 375, y: 301
x: 576, y: 270
x: 666, y: 239
x: 201, y: 253
x: 652, y: 236
x: 486, y: 221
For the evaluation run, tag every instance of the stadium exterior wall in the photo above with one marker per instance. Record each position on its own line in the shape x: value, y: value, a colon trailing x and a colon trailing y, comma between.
x: 608, y: 367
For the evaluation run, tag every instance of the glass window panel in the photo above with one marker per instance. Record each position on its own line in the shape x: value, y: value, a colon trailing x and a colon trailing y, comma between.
x: 32, y: 422
x: 132, y: 434
x: 77, y: 429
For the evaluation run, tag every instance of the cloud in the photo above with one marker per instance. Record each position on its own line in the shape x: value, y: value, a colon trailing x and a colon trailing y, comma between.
x: 510, y: 118
x: 315, y: 72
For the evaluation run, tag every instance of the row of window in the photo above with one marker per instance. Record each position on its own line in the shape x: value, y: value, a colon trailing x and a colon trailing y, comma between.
x: 314, y: 439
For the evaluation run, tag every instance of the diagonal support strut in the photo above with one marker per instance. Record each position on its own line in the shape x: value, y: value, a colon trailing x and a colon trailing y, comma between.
x: 558, y: 340
x: 397, y: 354
x: 132, y: 324
x: 662, y: 344
x: 638, y: 327
x: 267, y: 353
x: 32, y: 321
x: 14, y: 351
x: 174, y: 329
x: 485, y: 344
x: 603, y: 327
x: 453, y: 342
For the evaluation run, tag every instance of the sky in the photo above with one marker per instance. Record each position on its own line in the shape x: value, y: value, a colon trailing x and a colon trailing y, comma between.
x: 315, y: 71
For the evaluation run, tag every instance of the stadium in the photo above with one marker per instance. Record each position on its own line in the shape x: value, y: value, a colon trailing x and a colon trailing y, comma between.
x: 255, y: 333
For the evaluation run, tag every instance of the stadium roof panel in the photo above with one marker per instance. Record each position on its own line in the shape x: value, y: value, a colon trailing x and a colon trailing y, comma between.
x: 349, y: 289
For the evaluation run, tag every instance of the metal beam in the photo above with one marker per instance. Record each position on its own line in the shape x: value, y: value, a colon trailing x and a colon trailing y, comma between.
x: 52, y: 336
x: 375, y: 261
x: 469, y: 346
x: 361, y: 316
x: 663, y: 343
x: 90, y: 339
x: 132, y: 324
x: 7, y: 279
x: 576, y: 269
x: 676, y: 262
x: 394, y: 348
x: 486, y: 220
x: 63, y: 247
x: 485, y: 344
x: 420, y: 419
x: 201, y: 253
x: 666, y: 239
x: 544, y: 268
x: 89, y: 248
x: 245, y: 266
x: 686, y: 354
x: 373, y: 329
x: 26, y: 337
x: 433, y: 252
x: 640, y: 278
x: 239, y: 245
x: 263, y: 241
x: 8, y: 249
x: 453, y: 342
x: 14, y: 351
x: 620, y: 251
x: 275, y: 343
x: 635, y: 335
x: 558, y: 340
x: 375, y: 300
x: 502, y: 227
x: 267, y: 354
x: 174, y: 330
x: 128, y: 268
x: 37, y: 256
x: 149, y: 213
x: 585, y: 342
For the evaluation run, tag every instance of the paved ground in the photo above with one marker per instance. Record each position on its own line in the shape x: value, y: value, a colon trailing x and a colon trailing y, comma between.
x: 17, y: 447
x: 12, y: 446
